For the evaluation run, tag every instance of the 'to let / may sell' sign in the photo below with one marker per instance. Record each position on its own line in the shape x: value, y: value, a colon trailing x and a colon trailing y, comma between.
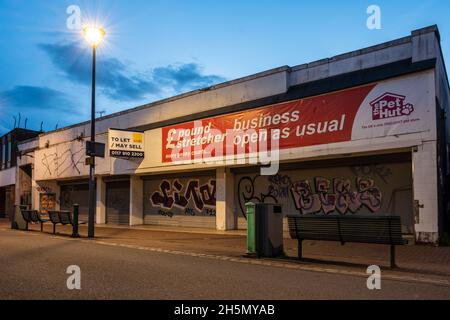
x: 125, y: 144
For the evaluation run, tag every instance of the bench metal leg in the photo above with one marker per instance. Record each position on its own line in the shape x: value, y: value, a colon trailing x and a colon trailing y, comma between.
x: 54, y: 228
x: 42, y: 227
x: 393, y: 265
x: 26, y: 226
x: 300, y: 249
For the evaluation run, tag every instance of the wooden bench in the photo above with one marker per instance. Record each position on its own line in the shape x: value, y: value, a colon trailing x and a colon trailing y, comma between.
x: 33, y: 216
x: 362, y: 229
x: 63, y: 218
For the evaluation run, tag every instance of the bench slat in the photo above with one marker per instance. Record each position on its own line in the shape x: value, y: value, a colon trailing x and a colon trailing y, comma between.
x: 379, y: 229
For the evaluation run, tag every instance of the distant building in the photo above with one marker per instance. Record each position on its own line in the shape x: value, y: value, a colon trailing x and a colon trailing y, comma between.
x: 361, y: 133
x: 8, y: 170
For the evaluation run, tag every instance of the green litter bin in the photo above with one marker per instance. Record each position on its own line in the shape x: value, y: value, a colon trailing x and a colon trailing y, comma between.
x: 264, y: 229
x: 251, y: 226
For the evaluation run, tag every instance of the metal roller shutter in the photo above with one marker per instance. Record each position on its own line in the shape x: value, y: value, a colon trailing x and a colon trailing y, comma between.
x: 118, y: 202
x: 76, y: 193
x: 362, y: 186
x: 180, y: 200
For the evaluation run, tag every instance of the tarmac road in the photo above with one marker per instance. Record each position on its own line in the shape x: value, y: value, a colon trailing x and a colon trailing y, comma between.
x: 33, y: 266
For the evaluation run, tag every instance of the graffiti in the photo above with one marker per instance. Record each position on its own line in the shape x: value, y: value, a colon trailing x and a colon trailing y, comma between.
x: 165, y: 213
x: 43, y: 189
x: 246, y: 193
x: 312, y: 196
x: 170, y: 195
x: 326, y: 198
x: 305, y: 200
x: 189, y: 212
x: 63, y: 162
x: 279, y: 185
x: 163, y: 200
x: 369, y: 195
x: 341, y: 198
x: 376, y: 170
x: 46, y: 164
x: 346, y: 198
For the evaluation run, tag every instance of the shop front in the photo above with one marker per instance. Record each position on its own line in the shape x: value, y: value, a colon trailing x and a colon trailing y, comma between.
x: 348, y: 152
x: 75, y: 192
x: 187, y: 200
x: 376, y: 185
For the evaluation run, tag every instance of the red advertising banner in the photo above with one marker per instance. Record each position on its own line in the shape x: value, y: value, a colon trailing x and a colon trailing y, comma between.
x: 393, y: 107
x: 312, y: 121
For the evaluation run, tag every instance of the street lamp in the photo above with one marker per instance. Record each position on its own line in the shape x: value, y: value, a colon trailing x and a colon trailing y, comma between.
x: 94, y: 36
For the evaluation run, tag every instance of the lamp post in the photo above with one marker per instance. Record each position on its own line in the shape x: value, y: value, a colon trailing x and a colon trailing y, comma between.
x: 93, y: 36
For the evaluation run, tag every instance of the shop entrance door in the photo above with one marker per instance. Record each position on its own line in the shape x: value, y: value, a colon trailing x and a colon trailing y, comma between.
x: 9, y: 201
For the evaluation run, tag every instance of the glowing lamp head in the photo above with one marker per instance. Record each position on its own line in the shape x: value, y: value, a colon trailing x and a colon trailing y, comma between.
x: 94, y: 35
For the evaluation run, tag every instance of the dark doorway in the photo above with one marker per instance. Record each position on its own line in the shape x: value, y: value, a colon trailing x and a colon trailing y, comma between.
x: 3, y: 213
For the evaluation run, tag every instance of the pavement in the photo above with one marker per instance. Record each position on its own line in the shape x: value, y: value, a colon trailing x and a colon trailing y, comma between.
x: 34, y: 266
x: 418, y: 264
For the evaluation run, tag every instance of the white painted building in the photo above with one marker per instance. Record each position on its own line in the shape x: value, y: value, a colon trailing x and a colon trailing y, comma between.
x: 364, y: 132
x: 10, y: 173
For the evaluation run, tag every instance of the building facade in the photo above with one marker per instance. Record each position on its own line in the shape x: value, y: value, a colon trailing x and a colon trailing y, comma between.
x: 9, y: 170
x: 363, y: 133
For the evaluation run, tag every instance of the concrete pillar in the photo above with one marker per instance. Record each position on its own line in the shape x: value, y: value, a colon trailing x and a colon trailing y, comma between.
x: 35, y: 195
x: 101, y: 201
x: 17, y: 187
x: 225, y: 209
x: 425, y: 184
x: 136, y: 201
x: 18, y: 220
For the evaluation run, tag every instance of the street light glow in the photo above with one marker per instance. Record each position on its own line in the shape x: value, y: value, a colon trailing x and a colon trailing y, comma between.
x: 94, y: 35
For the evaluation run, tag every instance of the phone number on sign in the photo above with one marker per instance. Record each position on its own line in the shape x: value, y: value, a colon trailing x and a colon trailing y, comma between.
x: 126, y: 154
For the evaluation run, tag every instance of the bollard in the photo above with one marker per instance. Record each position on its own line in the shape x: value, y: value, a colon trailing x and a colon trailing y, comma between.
x: 251, y: 228
x: 75, y: 233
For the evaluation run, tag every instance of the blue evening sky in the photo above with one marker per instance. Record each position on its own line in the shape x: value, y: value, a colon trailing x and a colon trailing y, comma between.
x: 159, y: 48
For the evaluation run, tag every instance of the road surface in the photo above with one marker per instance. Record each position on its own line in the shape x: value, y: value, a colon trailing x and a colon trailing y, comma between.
x: 33, y: 266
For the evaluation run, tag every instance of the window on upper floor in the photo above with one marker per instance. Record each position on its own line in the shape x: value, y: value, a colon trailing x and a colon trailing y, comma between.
x: 9, y: 153
x: 3, y: 164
